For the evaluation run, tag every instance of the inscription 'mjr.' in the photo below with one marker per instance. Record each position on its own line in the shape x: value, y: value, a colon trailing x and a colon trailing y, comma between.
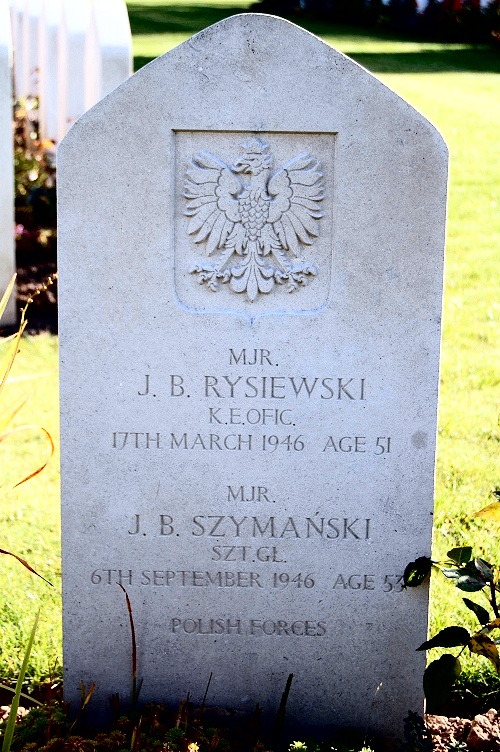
x: 254, y: 493
x: 259, y: 357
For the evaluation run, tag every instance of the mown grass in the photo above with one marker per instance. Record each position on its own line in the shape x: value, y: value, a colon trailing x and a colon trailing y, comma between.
x: 458, y: 88
x: 29, y: 515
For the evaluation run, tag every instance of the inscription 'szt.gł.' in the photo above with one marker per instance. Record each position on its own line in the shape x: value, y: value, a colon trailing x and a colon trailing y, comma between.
x: 263, y: 219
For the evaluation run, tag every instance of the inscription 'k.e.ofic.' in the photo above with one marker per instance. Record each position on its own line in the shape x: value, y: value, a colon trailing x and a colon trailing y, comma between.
x: 262, y: 218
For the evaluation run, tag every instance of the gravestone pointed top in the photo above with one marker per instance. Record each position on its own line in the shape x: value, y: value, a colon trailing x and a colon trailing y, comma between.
x: 251, y: 240
x: 250, y: 53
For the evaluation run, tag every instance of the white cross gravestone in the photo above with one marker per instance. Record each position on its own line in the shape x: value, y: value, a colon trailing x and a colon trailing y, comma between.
x: 251, y: 245
x: 7, y: 252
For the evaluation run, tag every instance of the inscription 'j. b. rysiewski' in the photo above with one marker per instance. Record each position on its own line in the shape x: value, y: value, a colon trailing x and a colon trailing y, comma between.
x: 265, y: 221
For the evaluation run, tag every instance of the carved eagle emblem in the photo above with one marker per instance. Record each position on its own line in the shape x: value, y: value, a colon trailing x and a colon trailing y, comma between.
x: 254, y: 223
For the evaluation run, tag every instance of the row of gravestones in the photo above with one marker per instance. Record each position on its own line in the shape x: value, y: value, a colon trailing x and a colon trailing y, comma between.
x: 68, y: 54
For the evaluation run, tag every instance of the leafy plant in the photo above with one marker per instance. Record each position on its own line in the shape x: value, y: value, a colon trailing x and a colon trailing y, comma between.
x: 417, y: 737
x: 471, y: 575
x: 34, y: 169
x: 35, y: 215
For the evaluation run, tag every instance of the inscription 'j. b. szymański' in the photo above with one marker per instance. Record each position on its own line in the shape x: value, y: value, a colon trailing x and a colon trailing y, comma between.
x: 263, y: 219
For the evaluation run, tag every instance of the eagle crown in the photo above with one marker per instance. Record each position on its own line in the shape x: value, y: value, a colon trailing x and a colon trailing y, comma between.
x: 255, y: 159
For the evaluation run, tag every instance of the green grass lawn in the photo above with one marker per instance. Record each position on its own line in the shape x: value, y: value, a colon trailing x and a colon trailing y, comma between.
x: 29, y: 514
x: 458, y: 88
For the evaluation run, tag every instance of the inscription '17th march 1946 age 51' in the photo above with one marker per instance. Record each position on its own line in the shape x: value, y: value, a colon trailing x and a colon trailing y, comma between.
x: 264, y: 221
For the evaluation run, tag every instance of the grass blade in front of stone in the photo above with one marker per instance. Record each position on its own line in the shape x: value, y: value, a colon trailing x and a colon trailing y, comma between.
x: 9, y: 729
x: 135, y: 687
x: 86, y: 698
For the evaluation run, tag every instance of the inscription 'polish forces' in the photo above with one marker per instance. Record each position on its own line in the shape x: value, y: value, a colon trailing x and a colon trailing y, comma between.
x: 264, y: 221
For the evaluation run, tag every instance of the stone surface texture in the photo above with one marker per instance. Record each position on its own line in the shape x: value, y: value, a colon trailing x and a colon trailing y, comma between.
x: 250, y: 246
x: 7, y: 254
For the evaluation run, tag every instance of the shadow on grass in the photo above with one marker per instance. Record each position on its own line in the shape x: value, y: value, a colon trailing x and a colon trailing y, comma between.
x: 177, y: 19
x: 480, y: 60
x: 472, y: 61
x: 189, y: 19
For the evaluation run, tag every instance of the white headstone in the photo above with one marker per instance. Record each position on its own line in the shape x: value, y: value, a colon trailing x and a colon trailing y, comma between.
x: 49, y: 45
x: 17, y: 9
x: 109, y: 49
x: 30, y: 46
x: 251, y: 245
x: 7, y: 252
x: 72, y: 43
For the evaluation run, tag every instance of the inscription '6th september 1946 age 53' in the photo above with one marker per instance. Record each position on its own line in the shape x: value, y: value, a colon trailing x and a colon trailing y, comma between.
x: 338, y: 582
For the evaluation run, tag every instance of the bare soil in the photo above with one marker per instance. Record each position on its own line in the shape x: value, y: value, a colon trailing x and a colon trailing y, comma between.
x: 37, y: 264
x: 480, y: 734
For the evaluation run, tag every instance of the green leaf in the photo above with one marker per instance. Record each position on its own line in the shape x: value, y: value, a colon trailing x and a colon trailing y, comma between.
x: 439, y: 677
x: 416, y: 572
x: 470, y: 568
x: 469, y: 584
x: 484, y: 569
x: 481, y: 613
x: 9, y: 728
x: 449, y: 637
x: 452, y: 574
x: 460, y: 555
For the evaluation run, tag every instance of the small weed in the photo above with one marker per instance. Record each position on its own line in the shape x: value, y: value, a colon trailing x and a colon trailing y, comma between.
x: 471, y: 575
x: 416, y: 735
